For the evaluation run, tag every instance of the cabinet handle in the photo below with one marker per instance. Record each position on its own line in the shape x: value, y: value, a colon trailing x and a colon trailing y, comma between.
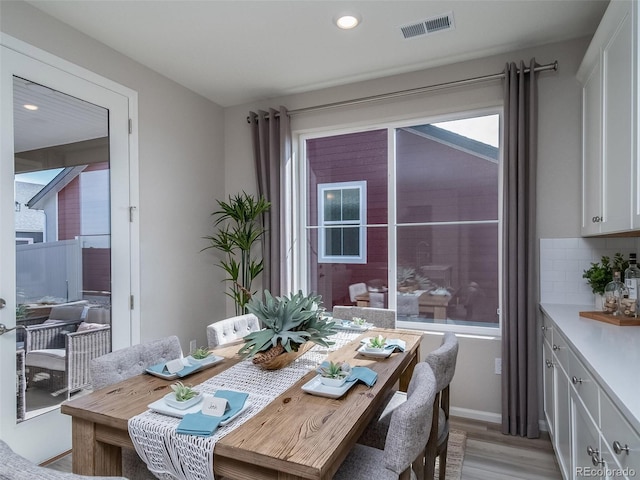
x: 594, y: 453
x: 618, y: 448
x: 596, y: 219
x: 544, y: 328
x: 549, y: 363
x: 555, y: 348
x: 575, y: 380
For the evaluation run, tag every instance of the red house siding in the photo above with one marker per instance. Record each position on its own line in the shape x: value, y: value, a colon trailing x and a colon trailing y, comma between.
x: 69, y: 211
x: 435, y: 183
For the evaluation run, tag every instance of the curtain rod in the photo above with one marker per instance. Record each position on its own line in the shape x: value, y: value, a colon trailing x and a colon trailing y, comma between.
x: 413, y: 91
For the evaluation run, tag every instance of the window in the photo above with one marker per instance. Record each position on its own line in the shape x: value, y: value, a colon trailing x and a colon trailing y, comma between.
x: 342, y: 212
x: 413, y: 212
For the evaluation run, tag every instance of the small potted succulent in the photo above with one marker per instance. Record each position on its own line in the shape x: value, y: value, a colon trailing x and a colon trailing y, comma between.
x: 334, y: 374
x: 200, y: 355
x: 376, y: 344
x: 182, y: 396
x: 360, y: 322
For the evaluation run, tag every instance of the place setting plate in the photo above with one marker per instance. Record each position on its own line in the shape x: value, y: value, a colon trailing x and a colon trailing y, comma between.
x: 316, y: 387
x: 348, y: 325
x: 375, y: 353
x: 161, y: 406
x: 191, y: 363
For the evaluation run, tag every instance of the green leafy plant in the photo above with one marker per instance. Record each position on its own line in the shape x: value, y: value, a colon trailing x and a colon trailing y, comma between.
x: 201, y: 353
x: 358, y: 321
x: 334, y: 369
x: 599, y: 274
x: 289, y: 322
x: 377, y: 342
x: 239, y: 230
x: 183, y: 392
x: 21, y: 311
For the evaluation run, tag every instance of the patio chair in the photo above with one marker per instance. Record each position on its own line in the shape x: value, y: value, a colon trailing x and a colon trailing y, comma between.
x: 405, y: 438
x: 380, y: 317
x: 126, y: 363
x: 356, y: 289
x: 58, y: 351
x: 231, y: 329
x: 16, y: 467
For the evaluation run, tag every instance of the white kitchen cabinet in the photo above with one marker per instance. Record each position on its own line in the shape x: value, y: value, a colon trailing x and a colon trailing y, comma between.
x: 621, y: 440
x: 590, y: 435
x: 586, y: 450
x: 608, y: 74
x: 556, y: 394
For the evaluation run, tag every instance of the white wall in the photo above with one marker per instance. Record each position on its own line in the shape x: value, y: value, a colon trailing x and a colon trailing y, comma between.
x: 476, y: 388
x: 181, y: 169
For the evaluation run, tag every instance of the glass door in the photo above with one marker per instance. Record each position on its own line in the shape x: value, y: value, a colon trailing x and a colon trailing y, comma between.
x: 63, y: 198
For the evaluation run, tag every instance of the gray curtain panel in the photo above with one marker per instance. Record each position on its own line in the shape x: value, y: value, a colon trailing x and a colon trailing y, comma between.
x: 271, y: 134
x: 519, y: 341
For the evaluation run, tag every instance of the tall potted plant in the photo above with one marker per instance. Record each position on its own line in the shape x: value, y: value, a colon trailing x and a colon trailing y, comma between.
x: 239, y: 229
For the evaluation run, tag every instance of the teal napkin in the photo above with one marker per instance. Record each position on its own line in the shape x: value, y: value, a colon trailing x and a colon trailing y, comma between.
x: 363, y: 374
x: 203, y: 425
x: 396, y: 344
x: 161, y: 368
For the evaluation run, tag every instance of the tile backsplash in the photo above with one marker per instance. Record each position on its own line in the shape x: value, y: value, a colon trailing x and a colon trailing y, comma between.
x: 563, y: 261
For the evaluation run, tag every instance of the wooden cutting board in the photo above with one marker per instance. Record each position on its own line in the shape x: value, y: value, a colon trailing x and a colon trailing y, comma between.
x: 619, y: 320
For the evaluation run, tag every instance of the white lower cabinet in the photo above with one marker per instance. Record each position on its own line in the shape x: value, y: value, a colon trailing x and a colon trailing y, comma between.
x: 590, y: 435
x: 621, y: 440
x: 586, y: 450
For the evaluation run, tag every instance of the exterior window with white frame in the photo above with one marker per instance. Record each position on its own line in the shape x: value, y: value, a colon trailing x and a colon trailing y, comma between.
x: 342, y: 215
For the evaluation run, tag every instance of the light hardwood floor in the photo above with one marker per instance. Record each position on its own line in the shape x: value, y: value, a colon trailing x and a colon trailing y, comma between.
x: 489, y: 455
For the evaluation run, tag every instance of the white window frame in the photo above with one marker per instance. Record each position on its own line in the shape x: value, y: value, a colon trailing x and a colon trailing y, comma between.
x: 299, y: 259
x: 361, y: 186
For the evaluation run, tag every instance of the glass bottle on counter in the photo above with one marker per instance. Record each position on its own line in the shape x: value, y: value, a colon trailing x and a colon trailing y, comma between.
x: 614, y: 291
x: 632, y: 282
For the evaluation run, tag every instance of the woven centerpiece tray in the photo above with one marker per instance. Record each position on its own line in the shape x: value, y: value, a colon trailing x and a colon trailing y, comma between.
x: 619, y: 320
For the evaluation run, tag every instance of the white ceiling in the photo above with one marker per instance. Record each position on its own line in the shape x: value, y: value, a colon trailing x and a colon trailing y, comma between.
x: 236, y: 52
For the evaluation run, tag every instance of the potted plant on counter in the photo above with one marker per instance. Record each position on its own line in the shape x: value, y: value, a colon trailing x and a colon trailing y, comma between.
x: 598, y: 275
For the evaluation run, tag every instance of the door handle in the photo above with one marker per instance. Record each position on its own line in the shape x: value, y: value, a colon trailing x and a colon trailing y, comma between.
x: 2, y: 303
x: 4, y: 329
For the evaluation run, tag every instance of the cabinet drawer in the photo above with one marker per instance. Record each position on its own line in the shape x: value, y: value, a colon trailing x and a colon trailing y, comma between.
x: 547, y: 328
x: 616, y: 429
x: 585, y: 386
x: 560, y: 349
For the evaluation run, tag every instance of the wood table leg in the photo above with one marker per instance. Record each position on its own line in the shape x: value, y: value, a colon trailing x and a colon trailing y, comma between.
x: 405, y: 377
x: 91, y: 457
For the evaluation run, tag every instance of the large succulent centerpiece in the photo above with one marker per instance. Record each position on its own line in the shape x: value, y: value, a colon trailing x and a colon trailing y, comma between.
x: 290, y: 323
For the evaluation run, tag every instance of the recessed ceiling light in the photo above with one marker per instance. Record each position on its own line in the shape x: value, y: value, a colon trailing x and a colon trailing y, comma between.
x: 28, y: 106
x: 347, y: 22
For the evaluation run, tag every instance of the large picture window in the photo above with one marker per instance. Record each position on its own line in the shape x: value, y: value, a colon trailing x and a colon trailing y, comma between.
x: 342, y: 213
x: 412, y: 212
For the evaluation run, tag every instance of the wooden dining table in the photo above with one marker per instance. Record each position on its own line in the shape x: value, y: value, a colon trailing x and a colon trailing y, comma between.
x: 296, y: 436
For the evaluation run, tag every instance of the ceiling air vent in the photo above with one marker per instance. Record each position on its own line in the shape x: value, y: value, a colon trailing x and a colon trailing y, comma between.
x: 430, y: 25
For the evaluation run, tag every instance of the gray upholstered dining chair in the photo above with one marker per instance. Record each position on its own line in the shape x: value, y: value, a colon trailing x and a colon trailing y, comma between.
x: 126, y: 363
x: 443, y: 363
x: 16, y: 467
x: 380, y: 317
x: 231, y: 329
x: 405, y: 439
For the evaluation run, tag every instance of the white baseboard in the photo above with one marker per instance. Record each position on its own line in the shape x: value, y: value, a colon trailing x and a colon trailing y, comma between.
x: 476, y: 415
x: 487, y: 417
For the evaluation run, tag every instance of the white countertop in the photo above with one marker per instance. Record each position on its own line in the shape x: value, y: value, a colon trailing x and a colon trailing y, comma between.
x: 611, y: 353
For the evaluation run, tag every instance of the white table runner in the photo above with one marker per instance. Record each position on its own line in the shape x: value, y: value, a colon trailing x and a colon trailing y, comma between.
x: 170, y: 456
